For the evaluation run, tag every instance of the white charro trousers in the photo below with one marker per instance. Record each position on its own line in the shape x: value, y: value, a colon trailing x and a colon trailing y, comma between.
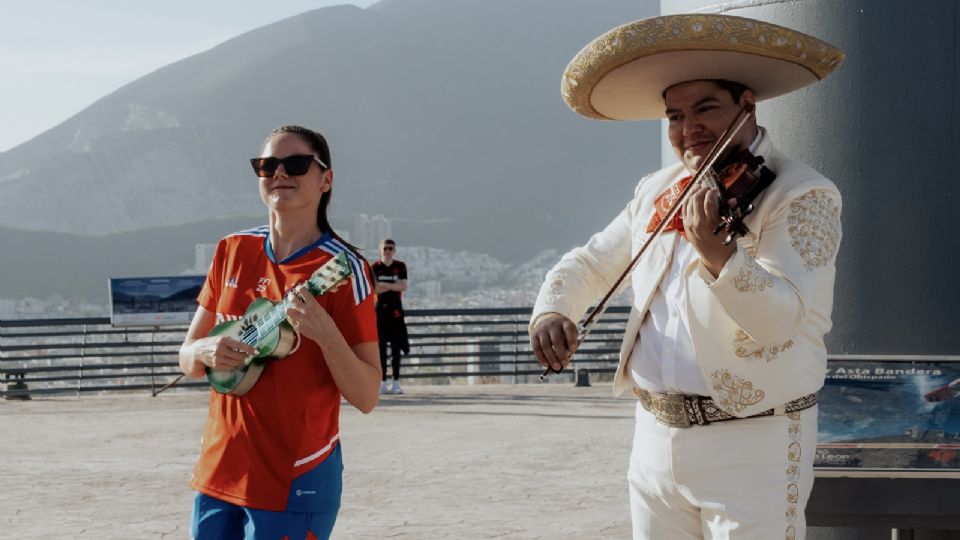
x: 745, y: 479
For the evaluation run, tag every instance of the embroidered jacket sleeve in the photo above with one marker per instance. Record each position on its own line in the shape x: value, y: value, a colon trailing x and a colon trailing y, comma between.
x: 586, y: 273
x: 783, y: 283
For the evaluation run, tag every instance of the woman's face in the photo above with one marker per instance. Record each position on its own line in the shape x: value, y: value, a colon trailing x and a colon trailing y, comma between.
x: 284, y: 192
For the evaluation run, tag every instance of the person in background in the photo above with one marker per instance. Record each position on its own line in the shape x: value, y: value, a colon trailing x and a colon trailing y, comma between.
x: 270, y: 462
x: 391, y: 278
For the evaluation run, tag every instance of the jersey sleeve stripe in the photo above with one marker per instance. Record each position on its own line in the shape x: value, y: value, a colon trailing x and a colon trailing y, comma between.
x: 360, y: 281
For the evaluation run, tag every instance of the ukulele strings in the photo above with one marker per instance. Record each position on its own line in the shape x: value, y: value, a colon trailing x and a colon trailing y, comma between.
x: 254, y: 330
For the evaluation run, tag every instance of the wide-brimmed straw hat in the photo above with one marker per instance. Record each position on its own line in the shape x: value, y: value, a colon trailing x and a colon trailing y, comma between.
x: 622, y: 74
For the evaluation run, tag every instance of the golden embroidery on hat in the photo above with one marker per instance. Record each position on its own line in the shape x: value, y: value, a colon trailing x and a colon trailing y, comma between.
x: 746, y: 347
x: 752, y: 278
x: 685, y: 32
x: 734, y: 393
x: 814, y: 226
x: 793, y: 475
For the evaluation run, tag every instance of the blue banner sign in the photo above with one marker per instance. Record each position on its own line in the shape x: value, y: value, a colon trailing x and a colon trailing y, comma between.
x: 154, y: 301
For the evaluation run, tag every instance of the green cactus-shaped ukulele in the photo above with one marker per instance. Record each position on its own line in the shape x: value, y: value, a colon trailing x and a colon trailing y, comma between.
x: 264, y: 326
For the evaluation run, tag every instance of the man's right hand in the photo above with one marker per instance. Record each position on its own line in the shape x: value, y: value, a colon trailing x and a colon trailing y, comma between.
x: 554, y: 340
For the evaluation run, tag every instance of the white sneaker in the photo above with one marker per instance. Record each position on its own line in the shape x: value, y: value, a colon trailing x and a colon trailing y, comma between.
x: 396, y: 388
x: 383, y: 388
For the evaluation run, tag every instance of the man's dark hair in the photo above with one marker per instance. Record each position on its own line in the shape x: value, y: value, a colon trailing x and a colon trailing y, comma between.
x: 735, y: 89
x: 388, y: 242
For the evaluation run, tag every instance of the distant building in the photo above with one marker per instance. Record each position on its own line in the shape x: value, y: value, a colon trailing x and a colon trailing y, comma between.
x: 7, y: 308
x: 380, y: 228
x: 430, y: 289
x: 203, y: 257
x: 359, y: 235
x: 368, y: 231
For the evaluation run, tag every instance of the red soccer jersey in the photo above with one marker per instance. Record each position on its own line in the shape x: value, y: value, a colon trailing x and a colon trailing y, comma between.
x: 254, y: 446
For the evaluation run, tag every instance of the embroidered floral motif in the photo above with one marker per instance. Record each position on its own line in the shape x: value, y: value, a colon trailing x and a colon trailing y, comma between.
x: 733, y: 392
x: 793, y: 476
x: 749, y: 243
x: 747, y: 347
x: 752, y: 278
x: 814, y: 227
x: 555, y: 286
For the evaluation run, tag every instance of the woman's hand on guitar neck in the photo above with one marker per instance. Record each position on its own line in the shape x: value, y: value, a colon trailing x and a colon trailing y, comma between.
x: 308, y: 317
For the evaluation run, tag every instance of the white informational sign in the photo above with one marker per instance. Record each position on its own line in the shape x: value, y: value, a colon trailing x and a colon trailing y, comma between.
x: 154, y: 301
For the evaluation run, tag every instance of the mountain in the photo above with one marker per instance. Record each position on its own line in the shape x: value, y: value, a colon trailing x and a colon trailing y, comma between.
x: 443, y: 115
x: 40, y: 264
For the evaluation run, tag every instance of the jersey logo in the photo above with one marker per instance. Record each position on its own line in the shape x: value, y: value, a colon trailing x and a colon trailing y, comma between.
x: 262, y: 284
x: 232, y: 282
x: 223, y: 317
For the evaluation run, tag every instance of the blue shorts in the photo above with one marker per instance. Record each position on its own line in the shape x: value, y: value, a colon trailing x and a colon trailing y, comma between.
x: 214, y: 519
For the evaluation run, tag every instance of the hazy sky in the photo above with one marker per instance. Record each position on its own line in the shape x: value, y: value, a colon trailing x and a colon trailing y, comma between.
x: 59, y: 56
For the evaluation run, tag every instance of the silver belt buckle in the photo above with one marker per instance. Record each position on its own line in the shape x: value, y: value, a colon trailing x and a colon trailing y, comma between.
x: 668, y: 409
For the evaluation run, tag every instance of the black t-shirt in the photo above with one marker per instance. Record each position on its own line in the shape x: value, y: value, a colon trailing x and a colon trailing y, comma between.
x: 393, y: 273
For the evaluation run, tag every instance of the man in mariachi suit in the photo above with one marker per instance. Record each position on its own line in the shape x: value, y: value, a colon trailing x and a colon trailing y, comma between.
x: 724, y: 344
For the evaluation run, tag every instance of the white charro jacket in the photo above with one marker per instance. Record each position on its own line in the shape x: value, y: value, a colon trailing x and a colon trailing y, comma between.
x: 757, y: 329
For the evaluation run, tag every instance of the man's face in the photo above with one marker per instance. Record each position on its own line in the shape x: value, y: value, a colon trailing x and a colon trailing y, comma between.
x: 387, y: 250
x: 698, y: 112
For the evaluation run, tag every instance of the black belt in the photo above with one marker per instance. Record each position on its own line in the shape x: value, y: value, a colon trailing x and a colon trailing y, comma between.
x: 683, y: 411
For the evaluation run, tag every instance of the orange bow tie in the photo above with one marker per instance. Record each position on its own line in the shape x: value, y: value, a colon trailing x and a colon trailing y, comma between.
x: 663, y: 203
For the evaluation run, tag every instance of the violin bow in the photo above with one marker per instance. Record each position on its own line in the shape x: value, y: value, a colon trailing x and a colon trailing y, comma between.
x: 586, y: 325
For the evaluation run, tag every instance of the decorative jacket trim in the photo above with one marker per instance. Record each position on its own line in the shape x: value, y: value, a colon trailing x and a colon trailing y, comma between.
x: 758, y: 328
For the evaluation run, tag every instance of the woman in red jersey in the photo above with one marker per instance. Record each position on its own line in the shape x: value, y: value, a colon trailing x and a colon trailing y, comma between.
x: 270, y: 464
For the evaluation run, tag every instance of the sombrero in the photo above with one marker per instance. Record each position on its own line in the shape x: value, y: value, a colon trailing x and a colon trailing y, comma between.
x: 622, y: 74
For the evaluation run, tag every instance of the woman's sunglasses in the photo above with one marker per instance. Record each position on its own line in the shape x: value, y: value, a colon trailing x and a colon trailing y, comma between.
x: 297, y: 165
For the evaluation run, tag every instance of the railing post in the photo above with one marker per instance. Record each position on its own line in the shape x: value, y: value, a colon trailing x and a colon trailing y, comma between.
x: 516, y: 346
x: 83, y: 353
x: 153, y: 344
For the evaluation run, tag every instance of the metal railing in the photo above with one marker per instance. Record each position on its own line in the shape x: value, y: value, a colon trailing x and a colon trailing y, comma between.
x: 447, y: 346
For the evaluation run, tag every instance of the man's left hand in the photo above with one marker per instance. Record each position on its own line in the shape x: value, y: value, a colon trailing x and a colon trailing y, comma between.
x: 701, y: 215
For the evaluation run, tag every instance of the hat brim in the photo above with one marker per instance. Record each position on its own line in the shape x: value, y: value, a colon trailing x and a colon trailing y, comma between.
x: 622, y: 74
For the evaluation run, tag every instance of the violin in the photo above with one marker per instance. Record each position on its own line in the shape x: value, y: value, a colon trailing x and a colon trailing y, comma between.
x: 739, y: 176
x: 742, y: 177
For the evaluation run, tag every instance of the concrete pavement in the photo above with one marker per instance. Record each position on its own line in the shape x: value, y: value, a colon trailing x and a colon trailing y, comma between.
x: 440, y: 462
